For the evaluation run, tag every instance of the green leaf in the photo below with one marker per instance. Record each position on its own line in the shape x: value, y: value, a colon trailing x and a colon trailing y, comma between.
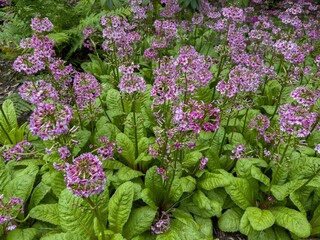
x: 236, y: 138
x: 126, y: 174
x: 315, y: 222
x: 120, y: 205
x: 212, y: 207
x: 5, y: 176
x: 191, y: 159
x: 266, y: 234
x: 140, y: 220
x: 188, y: 184
x: 149, y: 198
x: 230, y: 220
x: 209, y: 181
x: 128, y: 150
x: 260, y: 219
x: 206, y: 227
x: 153, y: 181
x: 21, y: 185
x: 46, y: 213
x: 63, y: 236
x: 292, y: 220
x: 82, y: 136
x: 113, y: 99
x: 8, y: 117
x: 73, y: 217
x: 245, y: 226
x: 294, y: 197
x: 257, y: 174
x: 38, y: 194
x: 54, y: 179
x: 129, y: 127
x: 280, y: 192
x: 22, y: 234
x: 143, y: 145
x: 241, y: 192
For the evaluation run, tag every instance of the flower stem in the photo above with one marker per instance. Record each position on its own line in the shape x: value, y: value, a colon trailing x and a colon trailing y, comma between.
x: 98, y: 216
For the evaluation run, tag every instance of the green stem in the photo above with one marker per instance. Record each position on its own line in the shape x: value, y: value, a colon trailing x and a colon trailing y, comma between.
x: 280, y: 162
x: 245, y: 120
x: 135, y: 128
x: 278, y: 102
x: 98, y: 216
x: 224, y: 135
x: 104, y: 110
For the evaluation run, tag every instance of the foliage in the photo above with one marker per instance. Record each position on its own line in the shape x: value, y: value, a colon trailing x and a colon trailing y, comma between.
x: 175, y: 118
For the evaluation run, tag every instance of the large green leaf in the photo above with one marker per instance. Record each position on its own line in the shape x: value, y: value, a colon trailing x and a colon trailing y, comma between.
x: 241, y: 192
x: 126, y: 174
x: 135, y: 131
x: 63, y: 236
x: 21, y: 185
x: 46, y: 213
x: 206, y: 227
x: 245, y: 226
x: 82, y: 136
x: 38, y: 194
x: 8, y: 121
x: 5, y: 176
x: 149, y: 198
x: 22, y: 234
x: 140, y: 220
x: 153, y: 181
x: 54, y: 179
x: 280, y: 192
x: 128, y: 150
x: 209, y: 181
x: 73, y: 215
x: 120, y: 205
x: 113, y: 99
x: 212, y: 207
x: 292, y: 220
x: 191, y: 159
x: 315, y: 222
x: 230, y: 220
x: 260, y: 219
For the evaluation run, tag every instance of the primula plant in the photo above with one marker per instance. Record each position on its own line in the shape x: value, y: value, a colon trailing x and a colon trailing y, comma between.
x: 177, y: 121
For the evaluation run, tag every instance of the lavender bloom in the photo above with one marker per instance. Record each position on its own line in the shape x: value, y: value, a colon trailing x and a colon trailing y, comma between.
x: 260, y: 123
x: 317, y: 148
x: 38, y: 92
x: 86, y: 88
x: 203, y: 163
x: 304, y: 96
x: 41, y: 25
x: 162, y: 225
x: 296, y: 120
x: 49, y: 120
x: 238, y: 152
x: 85, y: 176
x: 8, y: 210
x: 171, y: 8
x: 61, y: 72
x: 64, y: 153
x: 16, y: 151
x: 131, y: 83
x: 106, y: 151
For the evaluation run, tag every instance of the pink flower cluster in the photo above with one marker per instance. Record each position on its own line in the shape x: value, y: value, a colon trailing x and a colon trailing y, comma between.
x: 37, y: 92
x: 131, y: 83
x: 85, y: 176
x: 171, y: 8
x: 50, y: 120
x: 87, y: 89
x: 305, y: 96
x: 296, y: 120
x: 8, y: 210
x: 41, y: 25
x: 107, y: 149
x: 15, y: 152
x: 162, y: 225
x: 260, y: 123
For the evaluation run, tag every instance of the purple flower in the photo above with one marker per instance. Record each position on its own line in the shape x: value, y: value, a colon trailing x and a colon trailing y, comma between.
x: 61, y: 72
x: 238, y: 152
x: 317, y: 148
x: 37, y: 92
x: 203, y: 163
x: 86, y: 88
x: 131, y: 83
x: 15, y: 152
x: 8, y: 211
x: 107, y: 149
x: 296, y: 120
x: 49, y: 120
x: 41, y: 25
x: 304, y: 96
x: 162, y: 225
x: 260, y: 123
x: 64, y: 153
x: 85, y: 176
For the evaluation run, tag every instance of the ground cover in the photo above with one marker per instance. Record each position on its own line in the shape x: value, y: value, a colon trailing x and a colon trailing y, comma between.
x: 169, y: 122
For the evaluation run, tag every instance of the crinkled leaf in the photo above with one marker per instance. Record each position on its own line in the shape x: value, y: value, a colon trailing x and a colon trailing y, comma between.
x: 292, y: 220
x: 236, y: 138
x: 135, y: 134
x: 54, y: 179
x: 82, y: 136
x: 230, y: 220
x: 315, y: 222
x: 280, y: 192
x: 212, y: 207
x: 209, y: 181
x: 22, y: 234
x: 245, y: 226
x: 257, y: 174
x: 188, y: 184
x: 8, y: 117
x: 294, y: 197
x: 46, y: 213
x: 128, y: 150
x: 120, y: 205
x: 126, y: 174
x: 63, y: 236
x: 113, y: 99
x: 5, y: 176
x: 260, y: 219
x: 140, y: 220
x: 191, y: 159
x: 149, y: 198
x: 143, y: 145
x: 75, y: 219
x: 38, y: 194
x: 206, y: 227
x: 21, y: 185
x: 241, y: 192
x: 153, y: 181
